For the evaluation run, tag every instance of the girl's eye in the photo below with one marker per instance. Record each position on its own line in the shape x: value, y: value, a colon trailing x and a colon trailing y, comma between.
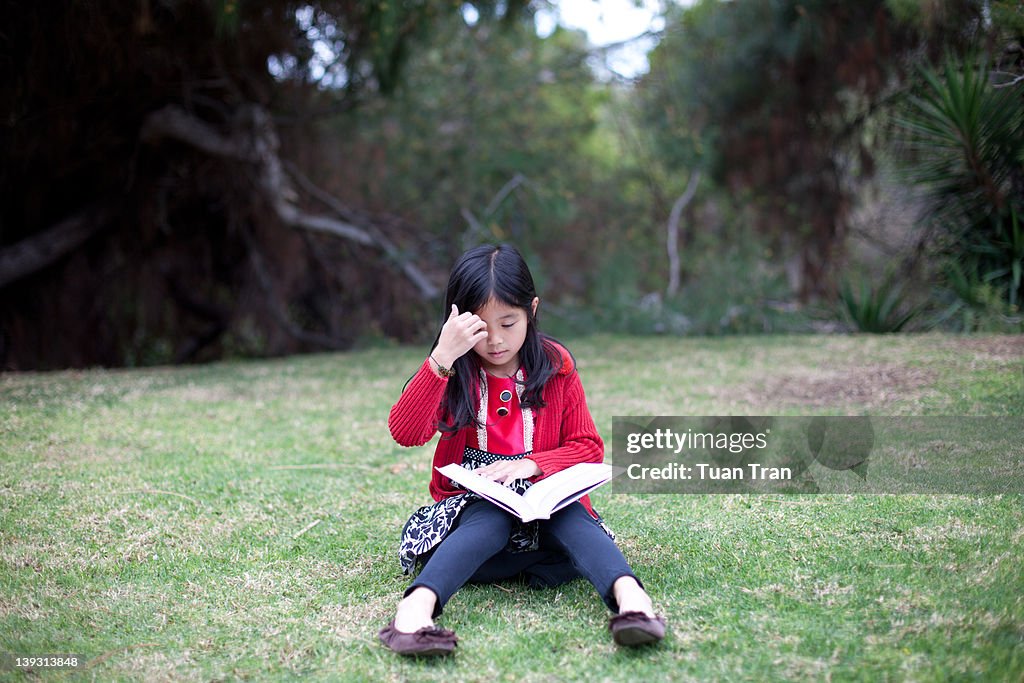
x: 509, y: 325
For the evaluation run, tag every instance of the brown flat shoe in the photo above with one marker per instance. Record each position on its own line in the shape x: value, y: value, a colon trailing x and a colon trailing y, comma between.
x: 636, y: 628
x: 429, y: 641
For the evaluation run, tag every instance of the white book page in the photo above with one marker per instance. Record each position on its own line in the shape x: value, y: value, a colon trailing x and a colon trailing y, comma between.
x: 565, y: 487
x: 492, y: 490
x: 542, y: 498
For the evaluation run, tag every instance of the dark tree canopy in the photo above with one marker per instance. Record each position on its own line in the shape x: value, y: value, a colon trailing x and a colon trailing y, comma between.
x: 149, y: 215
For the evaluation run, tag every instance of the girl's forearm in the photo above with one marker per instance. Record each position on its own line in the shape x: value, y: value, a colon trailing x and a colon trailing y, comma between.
x: 571, y: 453
x: 413, y: 419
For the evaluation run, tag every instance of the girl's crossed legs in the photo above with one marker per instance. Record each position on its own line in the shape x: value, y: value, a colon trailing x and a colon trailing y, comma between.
x: 474, y: 551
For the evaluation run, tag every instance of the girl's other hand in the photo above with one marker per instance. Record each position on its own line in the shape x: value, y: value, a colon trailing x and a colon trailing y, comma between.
x: 460, y: 333
x: 507, y: 471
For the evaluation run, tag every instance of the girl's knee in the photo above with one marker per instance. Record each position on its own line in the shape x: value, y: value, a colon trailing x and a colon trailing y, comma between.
x: 487, y: 520
x: 570, y: 518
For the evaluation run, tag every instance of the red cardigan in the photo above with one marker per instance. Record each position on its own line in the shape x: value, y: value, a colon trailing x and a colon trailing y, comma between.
x: 564, y: 433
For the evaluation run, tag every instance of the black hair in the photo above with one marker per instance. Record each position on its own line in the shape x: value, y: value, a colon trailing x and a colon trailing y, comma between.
x: 496, y: 272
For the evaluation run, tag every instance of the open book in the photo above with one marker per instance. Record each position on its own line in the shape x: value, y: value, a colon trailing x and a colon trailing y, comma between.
x: 541, y: 500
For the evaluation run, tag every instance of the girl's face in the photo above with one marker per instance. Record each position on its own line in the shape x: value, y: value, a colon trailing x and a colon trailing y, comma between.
x: 506, y: 332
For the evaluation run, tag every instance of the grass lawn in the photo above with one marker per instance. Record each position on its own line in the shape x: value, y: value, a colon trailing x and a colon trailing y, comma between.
x: 240, y: 520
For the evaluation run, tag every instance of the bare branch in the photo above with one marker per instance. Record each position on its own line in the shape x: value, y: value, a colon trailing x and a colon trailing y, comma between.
x: 478, y: 228
x: 344, y: 212
x: 469, y: 237
x: 474, y: 223
x: 673, y: 233
x: 261, y: 148
x: 1015, y: 79
x: 516, y: 180
x: 40, y: 250
x: 427, y: 288
x: 175, y: 123
x: 292, y: 216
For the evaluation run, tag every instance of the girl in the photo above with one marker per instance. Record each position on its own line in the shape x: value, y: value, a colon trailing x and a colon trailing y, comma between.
x: 509, y: 403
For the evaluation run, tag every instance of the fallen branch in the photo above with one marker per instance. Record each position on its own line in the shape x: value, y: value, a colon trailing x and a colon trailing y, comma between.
x: 1014, y: 79
x: 258, y: 145
x: 174, y: 123
x: 293, y: 216
x: 427, y: 289
x: 40, y: 250
x: 307, y: 528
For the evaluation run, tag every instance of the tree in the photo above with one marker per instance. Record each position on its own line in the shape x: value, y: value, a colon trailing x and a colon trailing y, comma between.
x: 486, y: 140
x: 152, y: 216
x: 771, y: 96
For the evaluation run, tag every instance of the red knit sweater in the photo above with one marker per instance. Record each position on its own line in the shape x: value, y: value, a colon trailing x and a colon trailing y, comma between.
x: 564, y: 433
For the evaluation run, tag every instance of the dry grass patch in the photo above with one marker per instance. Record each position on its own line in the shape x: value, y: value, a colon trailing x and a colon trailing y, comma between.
x: 1000, y: 348
x: 875, y: 387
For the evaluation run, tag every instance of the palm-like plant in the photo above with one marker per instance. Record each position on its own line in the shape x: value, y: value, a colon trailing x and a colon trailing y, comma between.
x: 967, y: 136
x: 878, y: 310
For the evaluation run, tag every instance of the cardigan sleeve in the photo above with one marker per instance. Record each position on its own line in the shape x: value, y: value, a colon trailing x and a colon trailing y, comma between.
x: 578, y: 437
x: 414, y: 418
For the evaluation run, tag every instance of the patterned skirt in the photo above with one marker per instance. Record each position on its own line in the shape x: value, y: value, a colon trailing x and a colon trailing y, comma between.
x: 431, y: 524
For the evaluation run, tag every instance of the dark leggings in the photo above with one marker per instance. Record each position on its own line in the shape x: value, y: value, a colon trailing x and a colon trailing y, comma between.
x: 474, y: 552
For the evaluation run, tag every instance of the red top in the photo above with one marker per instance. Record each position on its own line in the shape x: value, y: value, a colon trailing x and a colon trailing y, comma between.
x: 564, y: 433
x: 504, y: 432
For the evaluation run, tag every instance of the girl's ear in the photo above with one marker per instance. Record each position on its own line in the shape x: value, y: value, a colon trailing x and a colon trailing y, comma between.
x: 533, y: 305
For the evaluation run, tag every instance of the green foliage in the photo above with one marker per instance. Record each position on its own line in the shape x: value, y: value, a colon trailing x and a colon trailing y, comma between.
x: 737, y: 286
x: 498, y: 134
x: 968, y: 18
x: 619, y: 304
x: 878, y: 310
x: 768, y: 96
x: 1009, y: 15
x: 905, y: 11
x: 733, y: 286
x: 967, y: 142
x: 974, y: 303
x: 485, y: 138
x: 226, y: 13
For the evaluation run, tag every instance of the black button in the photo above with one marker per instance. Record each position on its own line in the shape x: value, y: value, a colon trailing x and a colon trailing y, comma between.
x: 502, y: 411
x: 505, y: 395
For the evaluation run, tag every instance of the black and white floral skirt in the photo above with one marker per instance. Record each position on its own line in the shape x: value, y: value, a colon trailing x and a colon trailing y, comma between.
x: 430, y: 524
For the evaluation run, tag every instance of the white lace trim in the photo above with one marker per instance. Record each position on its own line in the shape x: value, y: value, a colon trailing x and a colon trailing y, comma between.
x: 481, y: 416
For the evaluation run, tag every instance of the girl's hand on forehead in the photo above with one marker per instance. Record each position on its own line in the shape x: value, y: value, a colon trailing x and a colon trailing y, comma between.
x: 460, y: 333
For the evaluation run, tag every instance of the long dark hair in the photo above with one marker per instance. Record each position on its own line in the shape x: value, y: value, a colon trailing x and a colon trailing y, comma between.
x: 494, y: 272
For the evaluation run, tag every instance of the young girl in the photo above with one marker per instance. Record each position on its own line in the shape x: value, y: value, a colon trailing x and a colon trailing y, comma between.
x: 509, y: 404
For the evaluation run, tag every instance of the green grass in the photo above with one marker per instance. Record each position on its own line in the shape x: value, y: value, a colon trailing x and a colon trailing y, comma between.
x: 158, y: 522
